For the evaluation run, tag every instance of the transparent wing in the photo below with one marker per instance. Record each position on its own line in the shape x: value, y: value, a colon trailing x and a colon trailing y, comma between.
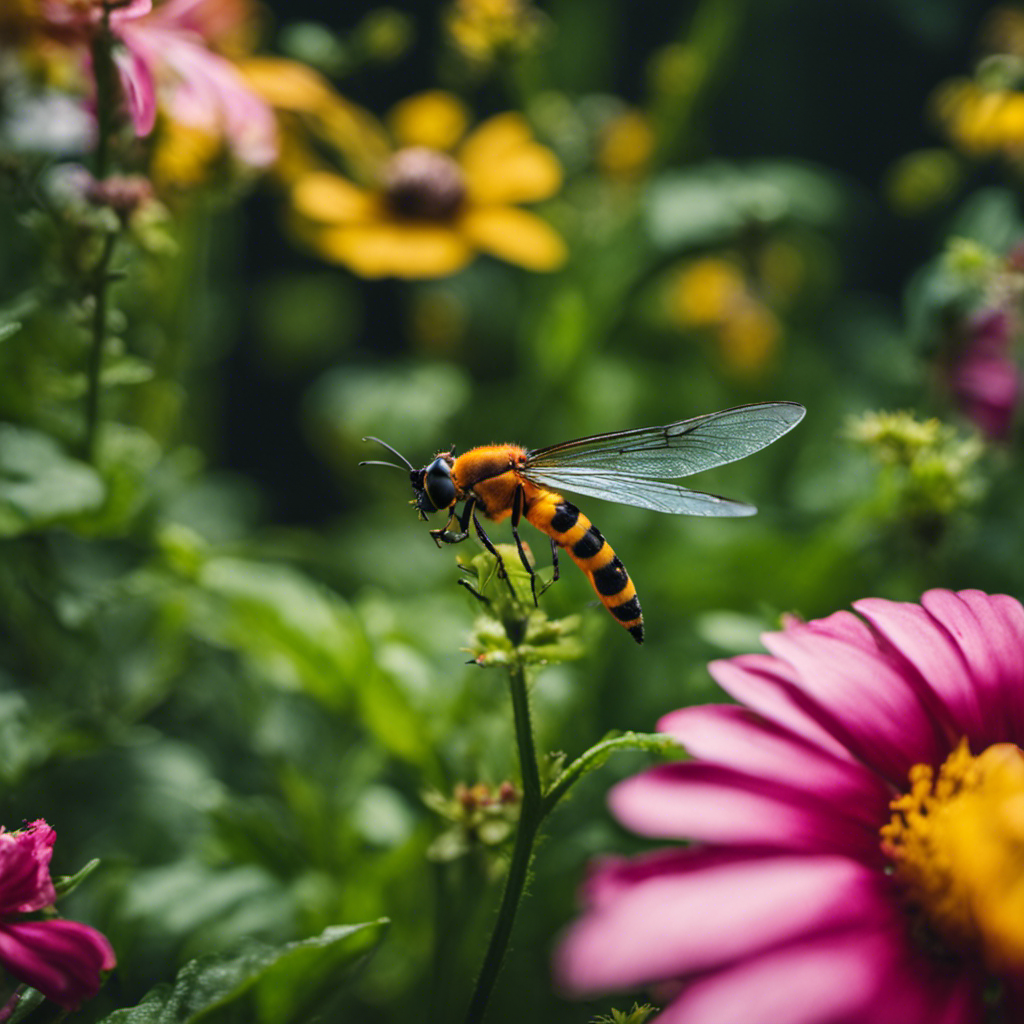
x: 633, y: 490
x: 677, y: 449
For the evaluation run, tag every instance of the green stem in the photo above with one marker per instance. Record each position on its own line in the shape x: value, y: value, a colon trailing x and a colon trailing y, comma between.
x: 598, y: 754
x: 106, y: 100
x: 105, y: 74
x: 94, y: 371
x: 531, y: 815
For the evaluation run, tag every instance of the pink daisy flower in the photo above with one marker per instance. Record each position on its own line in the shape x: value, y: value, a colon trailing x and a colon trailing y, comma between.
x: 62, y: 959
x: 860, y: 821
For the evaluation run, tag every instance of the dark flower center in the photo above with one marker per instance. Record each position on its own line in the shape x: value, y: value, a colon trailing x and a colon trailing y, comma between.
x: 424, y: 184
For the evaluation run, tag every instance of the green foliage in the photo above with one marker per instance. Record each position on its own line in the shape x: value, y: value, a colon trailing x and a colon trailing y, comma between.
x: 269, y: 985
x: 39, y: 484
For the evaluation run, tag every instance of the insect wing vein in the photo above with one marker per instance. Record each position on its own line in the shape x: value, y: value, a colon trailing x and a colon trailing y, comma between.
x: 678, y: 449
x: 625, y: 489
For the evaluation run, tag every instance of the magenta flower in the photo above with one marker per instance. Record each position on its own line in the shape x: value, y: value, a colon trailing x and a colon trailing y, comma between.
x: 984, y: 376
x: 861, y: 827
x: 62, y: 959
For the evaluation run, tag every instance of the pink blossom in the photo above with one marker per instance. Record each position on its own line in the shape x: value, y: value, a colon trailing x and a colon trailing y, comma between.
x: 62, y: 959
x: 984, y: 377
x: 166, y: 60
x: 790, y: 909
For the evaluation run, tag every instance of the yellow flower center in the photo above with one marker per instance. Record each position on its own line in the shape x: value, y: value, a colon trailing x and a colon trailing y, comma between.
x: 956, y: 841
x: 424, y: 184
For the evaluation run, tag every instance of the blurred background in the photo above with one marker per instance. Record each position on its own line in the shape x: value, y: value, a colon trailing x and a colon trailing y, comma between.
x: 233, y: 663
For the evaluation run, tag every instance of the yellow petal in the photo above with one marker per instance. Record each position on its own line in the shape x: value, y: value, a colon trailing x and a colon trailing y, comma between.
x: 434, y: 119
x: 496, y: 136
x: 394, y: 249
x: 503, y: 164
x: 286, y: 84
x: 331, y: 199
x: 515, y: 235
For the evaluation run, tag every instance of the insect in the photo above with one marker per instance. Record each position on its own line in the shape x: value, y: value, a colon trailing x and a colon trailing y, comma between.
x: 624, y: 466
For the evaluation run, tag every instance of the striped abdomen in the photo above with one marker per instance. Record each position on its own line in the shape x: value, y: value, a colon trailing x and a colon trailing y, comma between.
x: 573, y: 531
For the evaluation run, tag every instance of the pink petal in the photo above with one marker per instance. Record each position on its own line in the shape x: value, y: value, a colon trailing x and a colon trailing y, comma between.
x: 139, y: 91
x: 862, y: 976
x: 844, y: 625
x: 734, y: 737
x: 63, y: 959
x: 772, y: 689
x: 717, y: 805
x: 205, y: 90
x: 608, y: 877
x: 679, y: 924
x: 872, y: 707
x: 944, y: 682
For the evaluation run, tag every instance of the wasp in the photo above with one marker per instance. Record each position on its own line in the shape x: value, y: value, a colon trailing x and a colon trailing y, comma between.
x: 626, y: 466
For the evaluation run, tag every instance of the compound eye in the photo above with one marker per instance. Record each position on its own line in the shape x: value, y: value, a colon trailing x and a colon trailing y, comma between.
x: 439, y: 485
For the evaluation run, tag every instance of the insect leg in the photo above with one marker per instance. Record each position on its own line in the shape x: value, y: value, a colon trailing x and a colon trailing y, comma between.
x: 446, y: 536
x: 486, y: 541
x: 554, y: 563
x: 517, y: 511
x: 476, y: 593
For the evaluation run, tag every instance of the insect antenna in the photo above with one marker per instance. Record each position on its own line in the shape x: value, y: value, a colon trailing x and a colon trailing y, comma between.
x: 374, y: 462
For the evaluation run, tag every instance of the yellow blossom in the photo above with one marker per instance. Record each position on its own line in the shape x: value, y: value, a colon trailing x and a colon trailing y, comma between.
x: 422, y: 199
x: 183, y: 156
x: 625, y: 146
x: 713, y: 295
x: 482, y: 29
x: 980, y: 121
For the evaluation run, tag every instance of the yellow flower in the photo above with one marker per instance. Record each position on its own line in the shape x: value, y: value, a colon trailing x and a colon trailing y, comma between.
x: 183, y: 156
x: 711, y: 294
x: 430, y: 197
x: 625, y: 146
x: 482, y: 29
x: 980, y: 121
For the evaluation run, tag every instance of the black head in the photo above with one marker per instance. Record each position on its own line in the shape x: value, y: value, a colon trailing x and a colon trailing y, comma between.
x: 433, y: 486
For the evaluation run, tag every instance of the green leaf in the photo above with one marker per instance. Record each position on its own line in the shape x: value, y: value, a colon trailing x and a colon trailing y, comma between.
x: 589, y: 760
x: 125, y: 371
x: 8, y: 329
x: 30, y: 999
x: 261, y: 984
x: 715, y: 203
x: 65, y: 884
x: 39, y: 484
x: 294, y: 631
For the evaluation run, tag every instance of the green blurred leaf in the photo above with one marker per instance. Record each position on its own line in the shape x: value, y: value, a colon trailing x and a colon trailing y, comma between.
x: 562, y: 332
x: 262, y: 984
x: 293, y: 630
x: 401, y: 404
x: 9, y: 329
x: 39, y: 484
x: 126, y: 370
x: 716, y: 202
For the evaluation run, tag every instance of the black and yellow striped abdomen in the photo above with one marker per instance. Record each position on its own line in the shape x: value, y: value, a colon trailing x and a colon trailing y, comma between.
x: 576, y: 534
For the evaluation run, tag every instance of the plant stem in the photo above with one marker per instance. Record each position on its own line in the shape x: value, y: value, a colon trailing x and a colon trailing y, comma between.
x: 531, y: 815
x: 106, y: 99
x: 101, y: 282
